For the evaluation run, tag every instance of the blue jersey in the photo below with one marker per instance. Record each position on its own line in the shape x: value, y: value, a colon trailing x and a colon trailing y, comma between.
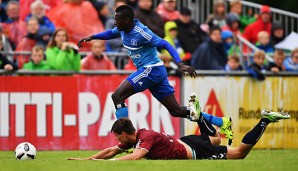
x: 141, y: 44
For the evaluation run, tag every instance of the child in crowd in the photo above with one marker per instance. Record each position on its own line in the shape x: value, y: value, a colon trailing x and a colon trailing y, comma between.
x: 291, y: 63
x: 229, y: 43
x: 277, y: 64
x: 256, y: 68
x: 233, y: 63
x: 171, y: 32
x: 264, y: 42
x: 37, y: 61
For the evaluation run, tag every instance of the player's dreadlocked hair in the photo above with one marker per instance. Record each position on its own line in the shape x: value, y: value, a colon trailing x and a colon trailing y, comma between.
x: 126, y: 11
x: 123, y: 125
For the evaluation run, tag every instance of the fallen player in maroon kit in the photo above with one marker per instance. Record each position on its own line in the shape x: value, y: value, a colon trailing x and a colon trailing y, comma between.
x: 153, y: 145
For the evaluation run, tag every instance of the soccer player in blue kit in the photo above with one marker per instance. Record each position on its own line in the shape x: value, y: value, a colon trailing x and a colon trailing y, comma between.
x: 141, y: 44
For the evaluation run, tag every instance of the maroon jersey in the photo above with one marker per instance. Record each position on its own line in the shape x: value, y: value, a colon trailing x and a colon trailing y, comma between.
x: 158, y: 145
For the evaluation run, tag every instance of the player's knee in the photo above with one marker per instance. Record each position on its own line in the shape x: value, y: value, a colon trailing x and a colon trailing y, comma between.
x: 116, y: 97
x: 240, y: 154
x: 175, y: 113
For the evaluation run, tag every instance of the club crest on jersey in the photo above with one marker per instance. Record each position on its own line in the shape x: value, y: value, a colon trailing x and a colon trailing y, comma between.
x: 134, y: 42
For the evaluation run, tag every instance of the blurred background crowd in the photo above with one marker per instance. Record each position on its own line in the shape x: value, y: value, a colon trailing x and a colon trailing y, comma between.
x: 42, y: 35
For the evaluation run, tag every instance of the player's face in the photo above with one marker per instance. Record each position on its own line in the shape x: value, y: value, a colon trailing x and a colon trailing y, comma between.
x: 120, y: 21
x: 122, y: 138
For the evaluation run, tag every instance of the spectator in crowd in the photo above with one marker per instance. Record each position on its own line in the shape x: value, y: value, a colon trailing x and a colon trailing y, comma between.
x: 233, y: 24
x: 190, y: 34
x: 229, y: 43
x: 96, y: 60
x: 37, y: 61
x: 277, y: 33
x: 44, y: 37
x: 132, y: 3
x: 102, y: 9
x: 14, y: 28
x: 291, y: 63
x: 28, y: 42
x: 218, y: 17
x: 5, y: 63
x: 277, y: 65
x: 79, y: 18
x: 211, y: 54
x: 38, y: 10
x: 263, y: 23
x: 246, y: 19
x: 264, y: 42
x: 26, y: 4
x: 149, y: 17
x: 6, y: 45
x: 167, y: 10
x: 62, y: 54
x: 114, y: 45
x: 233, y: 63
x: 3, y: 15
x: 257, y: 67
x: 171, y: 36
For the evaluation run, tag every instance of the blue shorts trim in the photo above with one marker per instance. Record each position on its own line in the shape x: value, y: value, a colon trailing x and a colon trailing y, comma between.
x: 153, y: 78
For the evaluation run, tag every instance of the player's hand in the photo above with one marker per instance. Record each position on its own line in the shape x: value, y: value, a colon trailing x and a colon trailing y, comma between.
x: 86, y: 39
x: 75, y: 159
x: 185, y: 68
x: 96, y: 159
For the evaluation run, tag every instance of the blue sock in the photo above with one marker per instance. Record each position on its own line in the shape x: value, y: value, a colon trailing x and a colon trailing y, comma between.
x: 213, y: 119
x: 122, y: 113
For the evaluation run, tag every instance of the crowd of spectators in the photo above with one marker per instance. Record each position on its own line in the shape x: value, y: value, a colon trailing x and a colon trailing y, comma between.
x: 49, y: 30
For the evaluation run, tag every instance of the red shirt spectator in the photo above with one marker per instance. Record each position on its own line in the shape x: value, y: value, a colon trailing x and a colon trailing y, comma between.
x: 95, y: 60
x: 167, y: 10
x: 28, y: 42
x: 14, y: 28
x: 233, y: 24
x: 130, y: 66
x: 78, y: 18
x: 262, y: 24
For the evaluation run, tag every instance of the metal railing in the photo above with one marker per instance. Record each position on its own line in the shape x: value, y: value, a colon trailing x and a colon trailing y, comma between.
x: 246, y: 46
x: 118, y: 58
x: 122, y: 72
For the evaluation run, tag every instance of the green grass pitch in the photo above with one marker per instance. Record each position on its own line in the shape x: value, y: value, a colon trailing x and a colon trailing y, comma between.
x: 263, y: 160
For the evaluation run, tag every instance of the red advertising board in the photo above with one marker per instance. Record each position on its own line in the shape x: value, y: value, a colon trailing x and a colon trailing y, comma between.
x: 73, y: 112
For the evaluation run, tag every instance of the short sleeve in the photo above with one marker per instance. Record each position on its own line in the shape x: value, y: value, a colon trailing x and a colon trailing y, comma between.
x: 115, y: 31
x: 145, y: 142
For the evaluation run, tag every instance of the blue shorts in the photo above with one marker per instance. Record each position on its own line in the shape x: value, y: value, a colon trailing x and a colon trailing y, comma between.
x: 154, y: 78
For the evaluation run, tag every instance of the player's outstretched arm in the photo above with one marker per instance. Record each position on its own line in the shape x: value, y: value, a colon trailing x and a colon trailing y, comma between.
x: 137, y: 154
x: 182, y: 67
x: 104, y: 154
x: 106, y: 35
